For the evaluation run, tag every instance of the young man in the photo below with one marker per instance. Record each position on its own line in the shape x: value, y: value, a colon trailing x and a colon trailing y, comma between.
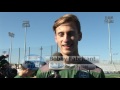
x: 67, y: 31
x: 27, y: 70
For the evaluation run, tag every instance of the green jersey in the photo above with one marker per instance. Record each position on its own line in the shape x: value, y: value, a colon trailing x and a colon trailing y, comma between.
x: 75, y: 70
x: 17, y: 76
x: 21, y: 77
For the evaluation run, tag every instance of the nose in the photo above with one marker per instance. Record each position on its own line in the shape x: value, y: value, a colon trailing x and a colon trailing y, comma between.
x: 66, y: 38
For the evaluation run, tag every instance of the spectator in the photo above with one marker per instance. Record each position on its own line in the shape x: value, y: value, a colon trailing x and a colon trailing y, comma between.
x: 27, y: 70
x: 2, y: 57
x: 6, y: 71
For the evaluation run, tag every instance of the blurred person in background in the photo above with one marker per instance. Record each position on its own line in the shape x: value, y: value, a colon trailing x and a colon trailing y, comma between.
x: 2, y: 57
x: 6, y: 71
x: 27, y: 70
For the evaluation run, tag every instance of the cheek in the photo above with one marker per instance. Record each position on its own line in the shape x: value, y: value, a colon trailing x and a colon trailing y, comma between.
x: 58, y: 40
x: 75, y: 38
x: 72, y: 38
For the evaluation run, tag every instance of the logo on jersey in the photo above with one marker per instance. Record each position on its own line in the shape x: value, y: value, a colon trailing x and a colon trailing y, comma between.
x: 83, y: 74
x: 56, y: 65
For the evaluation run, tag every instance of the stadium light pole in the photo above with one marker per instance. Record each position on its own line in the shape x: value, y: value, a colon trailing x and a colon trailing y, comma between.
x: 109, y: 20
x: 40, y: 56
x: 11, y: 35
x: 25, y: 25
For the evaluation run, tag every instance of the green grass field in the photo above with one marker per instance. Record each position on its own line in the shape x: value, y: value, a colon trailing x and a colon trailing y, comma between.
x: 112, y: 75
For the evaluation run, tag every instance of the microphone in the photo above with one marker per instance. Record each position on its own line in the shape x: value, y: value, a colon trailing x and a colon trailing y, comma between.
x: 56, y: 61
x: 56, y: 56
x: 56, y: 64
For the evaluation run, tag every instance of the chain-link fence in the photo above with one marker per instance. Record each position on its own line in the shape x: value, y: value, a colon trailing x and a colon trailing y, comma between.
x: 17, y: 55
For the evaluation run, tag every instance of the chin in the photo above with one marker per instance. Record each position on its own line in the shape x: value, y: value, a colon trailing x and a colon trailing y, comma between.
x: 67, y: 52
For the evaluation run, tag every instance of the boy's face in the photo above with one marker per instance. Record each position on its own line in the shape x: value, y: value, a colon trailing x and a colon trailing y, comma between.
x: 67, y: 38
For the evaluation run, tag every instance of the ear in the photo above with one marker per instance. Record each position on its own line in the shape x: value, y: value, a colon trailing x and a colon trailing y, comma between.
x: 79, y: 36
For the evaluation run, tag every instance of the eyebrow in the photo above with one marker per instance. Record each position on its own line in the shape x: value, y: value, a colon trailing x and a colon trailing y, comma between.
x: 67, y: 32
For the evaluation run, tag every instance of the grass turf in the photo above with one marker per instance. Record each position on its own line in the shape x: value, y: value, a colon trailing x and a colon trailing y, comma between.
x: 112, y: 75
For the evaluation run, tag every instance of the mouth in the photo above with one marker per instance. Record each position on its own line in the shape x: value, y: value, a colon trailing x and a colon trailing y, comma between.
x: 67, y: 46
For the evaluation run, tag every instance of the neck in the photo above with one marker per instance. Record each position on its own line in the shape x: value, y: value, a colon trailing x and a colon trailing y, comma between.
x: 71, y: 54
x: 66, y: 57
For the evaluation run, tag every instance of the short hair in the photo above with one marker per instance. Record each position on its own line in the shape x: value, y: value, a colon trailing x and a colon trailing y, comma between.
x: 65, y: 19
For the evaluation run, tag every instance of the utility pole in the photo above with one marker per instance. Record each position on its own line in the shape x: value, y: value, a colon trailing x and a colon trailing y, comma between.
x: 9, y: 55
x: 57, y: 47
x: 108, y: 19
x: 29, y: 53
x: 51, y: 50
x: 19, y: 59
x: 41, y: 53
x: 11, y: 36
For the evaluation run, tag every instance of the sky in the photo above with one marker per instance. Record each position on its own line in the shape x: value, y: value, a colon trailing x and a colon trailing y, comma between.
x: 95, y: 36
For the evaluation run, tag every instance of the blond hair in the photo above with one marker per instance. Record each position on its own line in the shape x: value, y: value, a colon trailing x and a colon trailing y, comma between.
x: 66, y: 19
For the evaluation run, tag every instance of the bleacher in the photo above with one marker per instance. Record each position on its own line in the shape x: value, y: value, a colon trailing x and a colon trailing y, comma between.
x: 107, y: 67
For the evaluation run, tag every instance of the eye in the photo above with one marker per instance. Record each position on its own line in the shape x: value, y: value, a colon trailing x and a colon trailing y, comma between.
x: 72, y: 33
x: 61, y: 34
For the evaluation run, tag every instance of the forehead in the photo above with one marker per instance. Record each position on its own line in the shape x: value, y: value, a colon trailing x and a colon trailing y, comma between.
x: 66, y: 27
